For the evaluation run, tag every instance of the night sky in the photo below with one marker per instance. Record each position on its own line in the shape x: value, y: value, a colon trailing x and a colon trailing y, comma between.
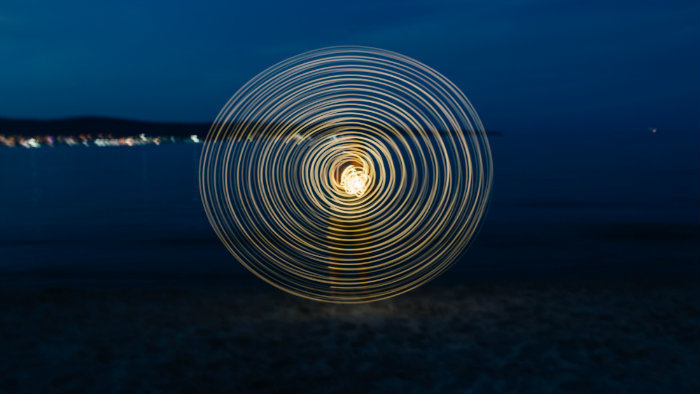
x: 526, y: 65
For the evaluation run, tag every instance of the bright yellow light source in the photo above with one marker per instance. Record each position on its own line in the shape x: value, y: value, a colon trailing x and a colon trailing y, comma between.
x: 354, y: 181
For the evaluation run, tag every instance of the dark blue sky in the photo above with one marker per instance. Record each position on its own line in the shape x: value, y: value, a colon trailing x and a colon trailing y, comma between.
x: 525, y: 64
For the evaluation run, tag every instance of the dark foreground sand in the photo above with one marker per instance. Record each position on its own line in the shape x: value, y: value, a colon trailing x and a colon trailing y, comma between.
x: 444, y: 338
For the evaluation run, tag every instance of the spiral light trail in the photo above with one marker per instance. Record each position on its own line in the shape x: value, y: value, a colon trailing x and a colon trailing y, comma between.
x: 346, y: 174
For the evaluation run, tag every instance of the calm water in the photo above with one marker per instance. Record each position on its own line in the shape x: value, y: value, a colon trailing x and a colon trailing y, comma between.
x: 563, y: 206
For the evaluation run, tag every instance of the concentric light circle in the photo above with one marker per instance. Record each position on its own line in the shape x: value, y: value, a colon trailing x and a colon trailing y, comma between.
x: 346, y: 174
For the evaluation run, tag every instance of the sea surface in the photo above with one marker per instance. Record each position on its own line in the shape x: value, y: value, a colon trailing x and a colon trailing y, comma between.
x: 583, y: 278
x: 610, y: 205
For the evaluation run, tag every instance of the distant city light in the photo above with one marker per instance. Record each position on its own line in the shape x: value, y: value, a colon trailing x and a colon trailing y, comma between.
x: 89, y: 140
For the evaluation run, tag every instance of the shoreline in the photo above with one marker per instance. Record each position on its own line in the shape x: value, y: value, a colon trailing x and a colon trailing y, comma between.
x: 622, y: 337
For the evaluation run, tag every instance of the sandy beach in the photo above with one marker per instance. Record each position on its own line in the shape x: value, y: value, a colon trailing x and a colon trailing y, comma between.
x: 506, y: 337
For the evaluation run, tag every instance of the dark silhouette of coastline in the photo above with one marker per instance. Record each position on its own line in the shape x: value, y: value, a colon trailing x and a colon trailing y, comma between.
x: 95, y: 124
x: 108, y: 126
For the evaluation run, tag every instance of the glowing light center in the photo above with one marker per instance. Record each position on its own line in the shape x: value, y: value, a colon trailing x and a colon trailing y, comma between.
x: 354, y: 181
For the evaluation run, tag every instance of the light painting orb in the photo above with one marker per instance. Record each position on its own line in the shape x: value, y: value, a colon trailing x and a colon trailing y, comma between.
x: 346, y: 174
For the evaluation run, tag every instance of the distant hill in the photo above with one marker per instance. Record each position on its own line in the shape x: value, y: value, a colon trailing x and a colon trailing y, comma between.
x: 104, y: 125
x: 95, y: 124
